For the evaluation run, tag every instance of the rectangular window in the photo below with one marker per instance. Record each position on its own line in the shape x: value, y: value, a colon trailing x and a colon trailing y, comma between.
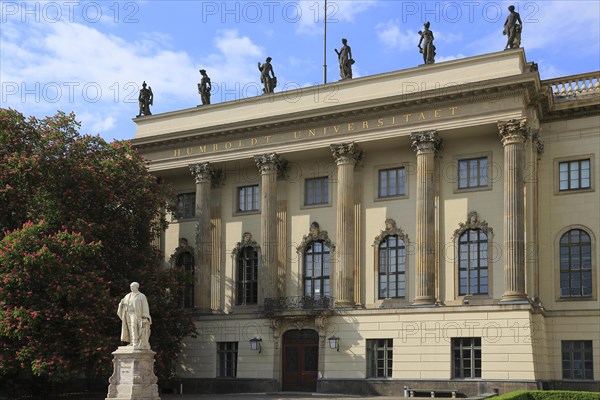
x: 392, y: 182
x: 577, y: 360
x: 466, y: 355
x: 574, y: 175
x: 316, y: 191
x: 380, y: 358
x: 248, y: 198
x: 186, y: 206
x: 473, y: 173
x: 227, y: 354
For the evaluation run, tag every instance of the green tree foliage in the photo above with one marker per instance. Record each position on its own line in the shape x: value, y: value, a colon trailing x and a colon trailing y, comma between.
x: 104, y: 195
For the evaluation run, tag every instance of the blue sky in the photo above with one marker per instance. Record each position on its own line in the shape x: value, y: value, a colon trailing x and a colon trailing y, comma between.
x: 91, y: 57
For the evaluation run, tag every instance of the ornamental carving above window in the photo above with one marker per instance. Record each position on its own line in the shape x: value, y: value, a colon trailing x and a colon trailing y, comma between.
x: 390, y: 229
x: 473, y: 222
x: 247, y: 241
x: 315, y: 234
x: 183, y: 247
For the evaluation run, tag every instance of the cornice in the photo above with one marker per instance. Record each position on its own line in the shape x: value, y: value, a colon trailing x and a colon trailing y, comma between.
x: 526, y: 84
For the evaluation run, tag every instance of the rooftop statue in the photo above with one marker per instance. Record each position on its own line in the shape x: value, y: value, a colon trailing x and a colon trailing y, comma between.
x: 345, y: 60
x: 145, y: 100
x: 267, y: 76
x: 512, y: 28
x: 135, y: 316
x: 428, y: 49
x: 204, y: 87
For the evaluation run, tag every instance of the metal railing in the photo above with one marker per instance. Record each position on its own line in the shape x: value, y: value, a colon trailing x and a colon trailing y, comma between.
x: 298, y: 303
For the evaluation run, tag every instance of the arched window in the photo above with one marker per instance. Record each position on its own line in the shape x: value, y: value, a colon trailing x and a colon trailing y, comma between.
x: 390, y: 246
x: 575, y: 264
x: 473, y: 262
x: 317, y: 269
x: 184, y: 260
x: 247, y: 276
x: 392, y: 268
x: 473, y: 241
x: 315, y: 254
x: 245, y: 257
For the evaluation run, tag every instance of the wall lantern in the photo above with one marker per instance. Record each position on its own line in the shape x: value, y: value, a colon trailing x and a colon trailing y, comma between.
x: 334, y: 343
x: 255, y: 344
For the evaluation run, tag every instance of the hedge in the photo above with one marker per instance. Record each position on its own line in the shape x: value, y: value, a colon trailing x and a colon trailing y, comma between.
x: 549, y: 395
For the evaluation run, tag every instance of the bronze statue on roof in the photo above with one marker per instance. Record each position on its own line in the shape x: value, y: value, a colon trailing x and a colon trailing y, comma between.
x: 512, y: 28
x: 267, y: 76
x: 428, y: 49
x: 204, y: 88
x: 145, y: 100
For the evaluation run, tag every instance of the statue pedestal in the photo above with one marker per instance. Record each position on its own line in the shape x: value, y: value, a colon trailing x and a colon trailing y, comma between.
x: 133, y: 376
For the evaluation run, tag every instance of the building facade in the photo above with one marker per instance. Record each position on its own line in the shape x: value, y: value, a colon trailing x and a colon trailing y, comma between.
x: 434, y: 227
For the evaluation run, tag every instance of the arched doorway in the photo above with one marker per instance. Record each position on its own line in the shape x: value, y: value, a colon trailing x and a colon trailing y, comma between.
x: 300, y: 360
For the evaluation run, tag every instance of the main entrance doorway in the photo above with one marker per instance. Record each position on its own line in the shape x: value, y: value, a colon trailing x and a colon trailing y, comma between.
x: 300, y: 360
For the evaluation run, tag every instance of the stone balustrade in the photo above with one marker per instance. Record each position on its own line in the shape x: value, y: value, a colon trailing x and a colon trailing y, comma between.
x: 573, y: 87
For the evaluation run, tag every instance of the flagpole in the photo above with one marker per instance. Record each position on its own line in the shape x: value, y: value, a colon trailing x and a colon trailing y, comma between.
x: 325, y: 45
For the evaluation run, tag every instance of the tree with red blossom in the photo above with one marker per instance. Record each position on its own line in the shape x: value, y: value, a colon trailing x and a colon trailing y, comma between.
x: 56, y: 306
x: 68, y: 191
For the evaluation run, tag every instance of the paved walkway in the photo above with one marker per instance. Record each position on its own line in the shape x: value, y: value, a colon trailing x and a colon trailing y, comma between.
x: 278, y: 396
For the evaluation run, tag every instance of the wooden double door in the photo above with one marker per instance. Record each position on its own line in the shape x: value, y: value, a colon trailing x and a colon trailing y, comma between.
x: 300, y: 360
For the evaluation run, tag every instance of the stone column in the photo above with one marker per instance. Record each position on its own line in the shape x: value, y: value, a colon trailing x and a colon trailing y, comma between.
x: 203, y: 175
x: 426, y: 144
x: 270, y: 166
x: 513, y: 134
x: 347, y: 156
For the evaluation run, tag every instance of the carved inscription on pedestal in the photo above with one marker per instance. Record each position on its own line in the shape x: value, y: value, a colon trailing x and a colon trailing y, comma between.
x: 126, y: 372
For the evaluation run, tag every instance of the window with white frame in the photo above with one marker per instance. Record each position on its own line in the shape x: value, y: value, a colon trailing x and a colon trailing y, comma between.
x: 473, y: 173
x: 248, y: 198
x: 316, y: 191
x: 380, y: 357
x: 574, y: 175
x: 392, y: 182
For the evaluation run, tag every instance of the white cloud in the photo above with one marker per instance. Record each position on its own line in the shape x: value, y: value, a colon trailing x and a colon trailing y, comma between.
x: 548, y: 70
x: 445, y: 37
x: 439, y: 59
x: 233, y: 69
x: 97, y: 122
x: 545, y: 24
x: 390, y: 34
x: 70, y: 66
x: 312, y: 13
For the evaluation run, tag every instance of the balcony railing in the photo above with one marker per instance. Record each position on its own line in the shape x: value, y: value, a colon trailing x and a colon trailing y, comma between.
x: 298, y: 303
x: 574, y: 87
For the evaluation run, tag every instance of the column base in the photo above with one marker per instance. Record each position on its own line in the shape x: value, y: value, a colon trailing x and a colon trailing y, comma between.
x: 514, y: 297
x: 133, y: 375
x: 423, y: 301
x: 344, y: 304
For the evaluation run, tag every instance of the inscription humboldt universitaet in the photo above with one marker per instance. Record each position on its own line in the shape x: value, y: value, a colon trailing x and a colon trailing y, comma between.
x: 331, y: 130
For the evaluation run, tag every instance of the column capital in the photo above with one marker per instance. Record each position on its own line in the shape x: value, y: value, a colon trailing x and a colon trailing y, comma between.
x: 201, y: 172
x: 347, y: 153
x: 538, y: 143
x: 204, y: 173
x: 513, y: 131
x: 270, y: 162
x: 426, y: 141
